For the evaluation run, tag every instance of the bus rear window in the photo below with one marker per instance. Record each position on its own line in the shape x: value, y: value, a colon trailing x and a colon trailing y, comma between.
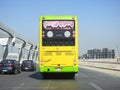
x: 58, y: 24
x: 58, y: 32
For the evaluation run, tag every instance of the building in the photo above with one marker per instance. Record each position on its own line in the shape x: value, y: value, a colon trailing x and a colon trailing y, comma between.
x: 103, y: 53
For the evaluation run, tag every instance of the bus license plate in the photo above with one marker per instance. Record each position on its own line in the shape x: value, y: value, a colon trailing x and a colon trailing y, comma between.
x: 58, y: 69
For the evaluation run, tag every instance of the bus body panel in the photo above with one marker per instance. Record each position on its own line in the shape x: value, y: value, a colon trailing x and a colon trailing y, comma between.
x: 58, y: 58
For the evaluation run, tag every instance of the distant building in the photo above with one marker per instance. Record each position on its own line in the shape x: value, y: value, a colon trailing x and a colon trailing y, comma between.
x: 100, y: 54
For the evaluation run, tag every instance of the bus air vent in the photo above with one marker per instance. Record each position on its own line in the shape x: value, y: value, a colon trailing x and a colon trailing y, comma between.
x: 69, y: 53
x: 48, y: 54
x: 58, y: 53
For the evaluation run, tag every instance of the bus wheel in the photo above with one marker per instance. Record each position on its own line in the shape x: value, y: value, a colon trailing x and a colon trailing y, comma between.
x: 44, y: 76
x: 72, y: 76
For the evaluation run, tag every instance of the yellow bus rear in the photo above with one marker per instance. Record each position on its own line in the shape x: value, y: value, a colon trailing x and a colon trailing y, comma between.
x: 58, y: 44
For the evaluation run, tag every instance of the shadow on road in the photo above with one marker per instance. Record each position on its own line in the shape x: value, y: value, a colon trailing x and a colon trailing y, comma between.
x: 38, y: 76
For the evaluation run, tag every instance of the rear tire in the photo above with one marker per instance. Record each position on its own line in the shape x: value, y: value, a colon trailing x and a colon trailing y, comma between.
x: 72, y: 75
x: 44, y: 75
x: 19, y: 71
x: 15, y: 71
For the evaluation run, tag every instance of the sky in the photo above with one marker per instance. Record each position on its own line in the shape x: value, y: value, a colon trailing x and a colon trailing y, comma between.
x: 99, y: 20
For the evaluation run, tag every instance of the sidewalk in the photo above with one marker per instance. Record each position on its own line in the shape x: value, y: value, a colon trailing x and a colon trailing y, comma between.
x: 101, y: 64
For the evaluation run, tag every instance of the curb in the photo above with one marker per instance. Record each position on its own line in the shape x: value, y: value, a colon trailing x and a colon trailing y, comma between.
x: 109, y: 66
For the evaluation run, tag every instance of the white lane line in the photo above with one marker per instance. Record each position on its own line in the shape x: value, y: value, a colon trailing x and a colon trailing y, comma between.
x: 96, y: 86
x: 22, y: 84
x: 46, y: 88
x: 16, y: 88
x: 38, y: 88
x: 49, y: 83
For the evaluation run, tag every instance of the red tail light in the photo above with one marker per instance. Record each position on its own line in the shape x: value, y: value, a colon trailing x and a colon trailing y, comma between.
x: 30, y: 64
x: 0, y: 64
x: 10, y: 65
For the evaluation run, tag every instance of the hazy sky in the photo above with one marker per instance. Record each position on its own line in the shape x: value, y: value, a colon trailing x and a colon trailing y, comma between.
x: 99, y: 20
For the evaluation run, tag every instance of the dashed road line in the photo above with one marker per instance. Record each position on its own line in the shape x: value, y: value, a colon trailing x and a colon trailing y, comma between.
x: 17, y: 88
x: 48, y: 85
x: 95, y: 86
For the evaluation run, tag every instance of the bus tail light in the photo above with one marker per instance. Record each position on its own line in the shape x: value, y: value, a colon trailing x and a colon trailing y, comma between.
x: 0, y: 64
x: 42, y: 63
x: 75, y: 63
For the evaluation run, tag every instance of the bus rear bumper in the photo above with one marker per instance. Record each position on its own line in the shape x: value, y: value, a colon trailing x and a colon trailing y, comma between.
x: 69, y: 69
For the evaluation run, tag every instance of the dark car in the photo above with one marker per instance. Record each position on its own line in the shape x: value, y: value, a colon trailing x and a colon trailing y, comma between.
x: 10, y: 66
x: 28, y: 65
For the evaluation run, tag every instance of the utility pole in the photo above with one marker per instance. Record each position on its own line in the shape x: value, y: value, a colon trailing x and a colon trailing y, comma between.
x: 118, y: 56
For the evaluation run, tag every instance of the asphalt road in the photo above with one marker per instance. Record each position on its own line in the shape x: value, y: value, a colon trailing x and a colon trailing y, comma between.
x: 86, y: 79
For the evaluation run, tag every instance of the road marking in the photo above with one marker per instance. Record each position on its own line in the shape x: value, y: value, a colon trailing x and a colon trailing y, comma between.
x: 22, y: 84
x: 16, y: 88
x: 48, y: 85
x: 38, y: 88
x: 96, y: 86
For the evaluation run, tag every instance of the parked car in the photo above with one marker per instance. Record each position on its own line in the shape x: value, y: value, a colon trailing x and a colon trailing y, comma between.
x: 10, y: 66
x: 28, y: 65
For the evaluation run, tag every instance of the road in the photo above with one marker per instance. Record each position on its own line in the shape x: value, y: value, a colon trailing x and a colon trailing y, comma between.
x: 86, y: 79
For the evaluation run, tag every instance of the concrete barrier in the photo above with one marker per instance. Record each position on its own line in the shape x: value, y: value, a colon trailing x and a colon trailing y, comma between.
x: 106, y: 64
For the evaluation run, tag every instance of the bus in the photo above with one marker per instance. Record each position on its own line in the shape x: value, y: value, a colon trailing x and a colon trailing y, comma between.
x: 58, y: 45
